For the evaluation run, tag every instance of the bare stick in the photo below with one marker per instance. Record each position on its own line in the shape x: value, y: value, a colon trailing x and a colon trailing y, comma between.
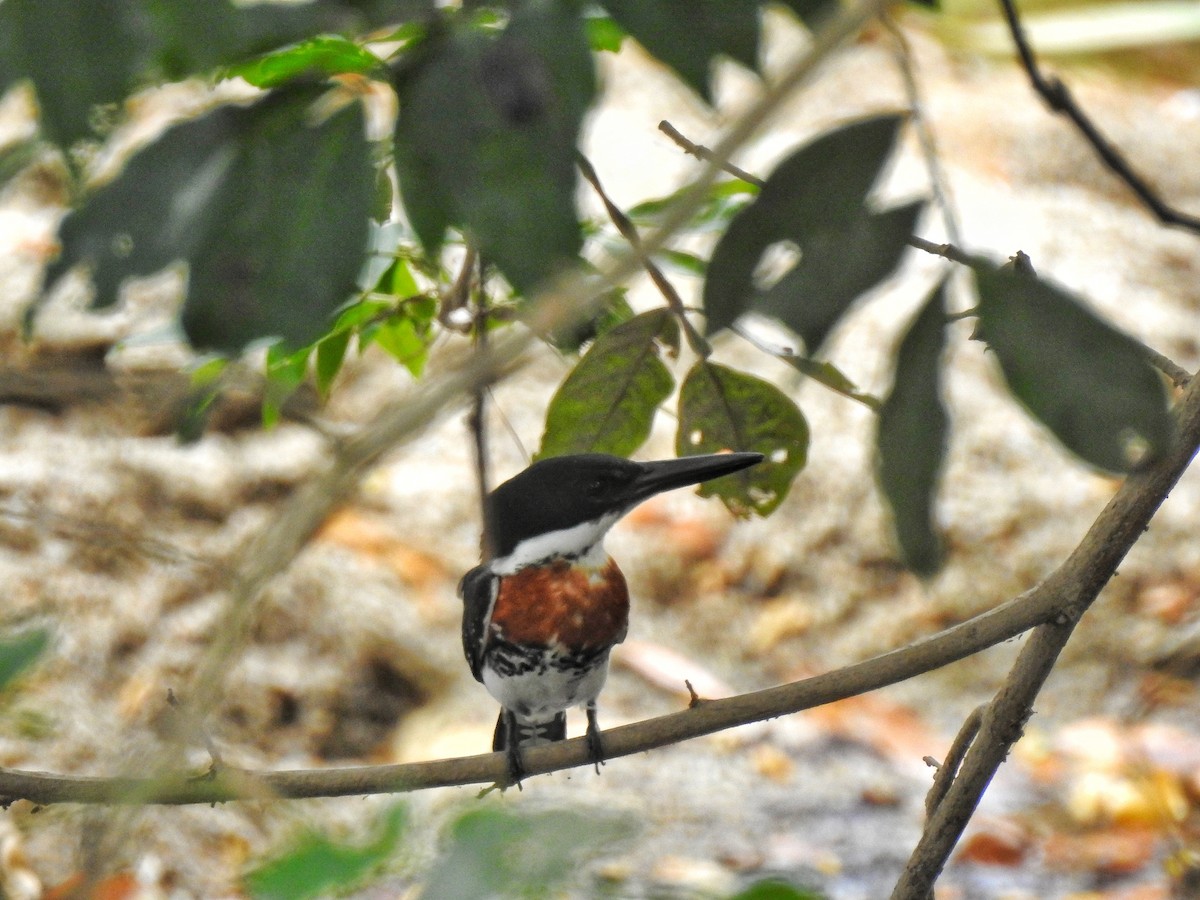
x: 946, y: 251
x: 1060, y: 100
x: 944, y: 777
x: 629, y: 231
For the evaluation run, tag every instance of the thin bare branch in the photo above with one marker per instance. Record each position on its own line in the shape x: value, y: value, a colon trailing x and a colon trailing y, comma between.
x: 944, y: 777
x: 1060, y: 100
x: 1076, y: 584
x: 1052, y: 605
x: 629, y: 231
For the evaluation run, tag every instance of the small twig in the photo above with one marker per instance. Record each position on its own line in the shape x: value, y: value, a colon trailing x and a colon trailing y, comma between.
x: 1180, y: 377
x: 694, y: 699
x: 948, y: 768
x: 947, y: 251
x: 215, y: 760
x: 629, y: 231
x: 808, y: 367
x: 701, y: 152
x: 459, y: 295
x: 1060, y: 100
x: 477, y: 418
x: 938, y: 182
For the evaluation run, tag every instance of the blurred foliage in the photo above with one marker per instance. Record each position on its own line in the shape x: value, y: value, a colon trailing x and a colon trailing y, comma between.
x: 488, y: 851
x: 19, y: 652
x: 281, y: 213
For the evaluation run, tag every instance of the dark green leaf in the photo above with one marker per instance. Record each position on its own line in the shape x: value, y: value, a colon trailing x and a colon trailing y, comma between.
x: 317, y: 866
x: 78, y: 56
x: 721, y: 409
x: 485, y: 140
x: 323, y: 55
x: 839, y: 264
x: 1089, y: 383
x: 811, y: 12
x: 195, y: 37
x: 83, y: 55
x: 815, y: 200
x: 688, y: 34
x: 496, y: 852
x: 269, y: 212
x: 608, y: 401
x: 20, y: 652
x: 912, y: 436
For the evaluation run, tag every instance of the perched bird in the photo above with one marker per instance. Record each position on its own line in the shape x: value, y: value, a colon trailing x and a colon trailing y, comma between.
x: 543, y: 611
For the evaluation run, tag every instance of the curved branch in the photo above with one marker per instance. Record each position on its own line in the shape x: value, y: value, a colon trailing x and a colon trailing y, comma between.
x: 1092, y: 564
x: 1058, y: 600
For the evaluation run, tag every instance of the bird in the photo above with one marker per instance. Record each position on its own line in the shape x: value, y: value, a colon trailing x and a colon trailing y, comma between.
x: 546, y: 606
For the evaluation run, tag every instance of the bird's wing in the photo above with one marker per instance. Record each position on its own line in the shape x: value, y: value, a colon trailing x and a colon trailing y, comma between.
x: 478, y: 590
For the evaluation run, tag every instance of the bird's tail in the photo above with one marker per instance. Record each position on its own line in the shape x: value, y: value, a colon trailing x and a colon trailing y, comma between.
x: 529, y: 734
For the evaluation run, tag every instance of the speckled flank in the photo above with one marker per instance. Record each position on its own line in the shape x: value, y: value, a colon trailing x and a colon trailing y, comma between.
x: 570, y: 605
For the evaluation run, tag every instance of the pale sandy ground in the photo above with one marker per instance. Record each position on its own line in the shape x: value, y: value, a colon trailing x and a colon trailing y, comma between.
x: 118, y: 540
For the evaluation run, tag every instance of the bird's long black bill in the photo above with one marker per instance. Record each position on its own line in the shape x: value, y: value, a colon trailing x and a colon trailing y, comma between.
x: 667, y: 474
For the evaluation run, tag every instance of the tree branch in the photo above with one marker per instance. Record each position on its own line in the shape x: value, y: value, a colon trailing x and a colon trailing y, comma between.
x: 1077, y: 583
x: 1060, y: 100
x: 1055, y: 603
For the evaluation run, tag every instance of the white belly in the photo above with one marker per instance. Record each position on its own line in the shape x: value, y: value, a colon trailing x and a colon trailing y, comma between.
x: 537, y: 696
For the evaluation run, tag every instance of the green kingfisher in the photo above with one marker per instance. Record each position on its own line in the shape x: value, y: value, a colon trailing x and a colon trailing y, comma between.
x: 543, y: 611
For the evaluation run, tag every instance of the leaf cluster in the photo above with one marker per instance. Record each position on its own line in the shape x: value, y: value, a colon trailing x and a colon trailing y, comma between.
x: 281, y: 212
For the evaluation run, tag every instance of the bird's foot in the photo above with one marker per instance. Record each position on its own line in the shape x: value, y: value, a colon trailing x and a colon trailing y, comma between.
x: 595, y: 746
x: 516, y: 769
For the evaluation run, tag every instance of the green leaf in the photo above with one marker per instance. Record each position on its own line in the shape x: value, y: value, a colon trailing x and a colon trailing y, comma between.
x: 496, y: 852
x: 688, y: 34
x: 687, y: 263
x: 724, y: 199
x: 269, y: 212
x: 774, y: 889
x: 832, y: 377
x: 486, y: 136
x: 20, y: 652
x: 604, y: 34
x: 840, y: 263
x: 402, y: 338
x: 83, y: 55
x: 816, y: 202
x: 317, y: 866
x: 913, y: 425
x: 1088, y: 382
x: 331, y: 352
x: 323, y: 55
x: 722, y: 409
x: 608, y: 401
x: 286, y: 371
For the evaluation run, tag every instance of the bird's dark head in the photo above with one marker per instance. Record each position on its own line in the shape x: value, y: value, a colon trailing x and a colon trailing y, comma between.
x: 562, y: 506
